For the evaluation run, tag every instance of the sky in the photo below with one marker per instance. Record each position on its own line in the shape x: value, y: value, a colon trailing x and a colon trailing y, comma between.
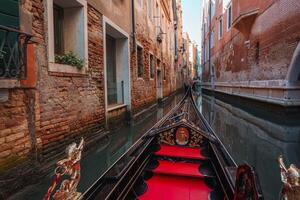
x: 192, y: 18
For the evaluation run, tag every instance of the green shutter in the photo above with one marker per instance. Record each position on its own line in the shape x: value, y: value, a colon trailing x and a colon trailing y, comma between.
x: 9, y: 13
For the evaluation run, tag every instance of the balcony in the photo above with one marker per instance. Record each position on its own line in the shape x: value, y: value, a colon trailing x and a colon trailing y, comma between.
x: 13, y: 55
x: 244, y: 15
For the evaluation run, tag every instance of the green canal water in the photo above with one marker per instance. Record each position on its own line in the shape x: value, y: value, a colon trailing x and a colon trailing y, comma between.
x: 252, y: 133
x: 255, y: 134
x: 109, y: 150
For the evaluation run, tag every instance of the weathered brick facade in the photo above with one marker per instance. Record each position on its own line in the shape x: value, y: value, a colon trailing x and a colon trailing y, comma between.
x: 38, y: 120
x: 37, y: 123
x: 144, y: 89
x: 256, y: 52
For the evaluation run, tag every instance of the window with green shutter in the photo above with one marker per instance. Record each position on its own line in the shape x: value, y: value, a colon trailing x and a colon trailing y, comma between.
x: 9, y: 13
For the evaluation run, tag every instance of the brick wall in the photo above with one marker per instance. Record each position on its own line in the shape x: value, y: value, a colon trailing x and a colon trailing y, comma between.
x: 273, y: 39
x: 37, y: 124
x: 143, y: 90
x: 72, y: 105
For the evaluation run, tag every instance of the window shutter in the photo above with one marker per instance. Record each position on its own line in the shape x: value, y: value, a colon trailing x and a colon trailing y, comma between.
x: 9, y: 13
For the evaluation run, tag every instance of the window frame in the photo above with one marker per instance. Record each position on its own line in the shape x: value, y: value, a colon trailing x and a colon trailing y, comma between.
x: 151, y: 66
x: 220, y: 32
x: 229, y: 18
x: 212, y: 39
x: 165, y: 72
x: 56, y: 67
x: 138, y: 48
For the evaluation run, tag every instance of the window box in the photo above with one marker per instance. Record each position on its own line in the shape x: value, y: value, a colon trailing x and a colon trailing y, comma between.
x: 67, y: 32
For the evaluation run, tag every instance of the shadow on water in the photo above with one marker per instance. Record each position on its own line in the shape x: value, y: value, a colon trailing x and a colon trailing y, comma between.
x: 108, y: 151
x: 255, y: 136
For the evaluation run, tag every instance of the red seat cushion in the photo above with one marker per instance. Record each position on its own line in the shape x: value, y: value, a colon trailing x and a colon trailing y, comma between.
x: 180, y: 152
x: 163, y: 187
x: 178, y: 169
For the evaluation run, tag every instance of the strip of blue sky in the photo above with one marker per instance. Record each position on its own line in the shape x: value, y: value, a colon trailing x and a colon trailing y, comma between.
x: 192, y: 19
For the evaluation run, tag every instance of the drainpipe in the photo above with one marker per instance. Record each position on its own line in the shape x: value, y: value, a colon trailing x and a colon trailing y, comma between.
x: 133, y: 25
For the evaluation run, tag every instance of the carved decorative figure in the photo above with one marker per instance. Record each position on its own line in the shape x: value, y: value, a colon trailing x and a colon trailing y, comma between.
x: 291, y: 181
x: 69, y: 167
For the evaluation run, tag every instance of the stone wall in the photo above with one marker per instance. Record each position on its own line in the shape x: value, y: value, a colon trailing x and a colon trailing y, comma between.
x: 273, y: 39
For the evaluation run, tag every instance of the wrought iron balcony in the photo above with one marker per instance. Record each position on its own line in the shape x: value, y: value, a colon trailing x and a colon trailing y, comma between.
x: 13, y: 53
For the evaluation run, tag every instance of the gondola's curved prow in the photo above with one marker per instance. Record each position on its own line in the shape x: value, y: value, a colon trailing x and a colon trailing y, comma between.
x: 107, y: 185
x: 183, y: 127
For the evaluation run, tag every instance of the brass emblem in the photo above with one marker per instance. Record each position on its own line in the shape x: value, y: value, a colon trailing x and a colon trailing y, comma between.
x: 69, y: 167
x: 291, y: 183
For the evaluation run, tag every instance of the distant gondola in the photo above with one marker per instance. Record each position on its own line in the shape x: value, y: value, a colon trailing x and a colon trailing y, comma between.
x: 179, y: 158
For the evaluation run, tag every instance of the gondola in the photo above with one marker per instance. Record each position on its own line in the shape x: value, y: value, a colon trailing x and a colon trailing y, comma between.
x: 181, y: 158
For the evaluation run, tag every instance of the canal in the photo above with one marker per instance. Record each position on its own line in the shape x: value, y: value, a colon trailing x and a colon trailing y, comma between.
x: 108, y: 151
x: 252, y: 133
x: 255, y: 134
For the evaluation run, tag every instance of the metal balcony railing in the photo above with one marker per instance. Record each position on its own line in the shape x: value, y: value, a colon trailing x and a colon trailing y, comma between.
x: 13, y: 53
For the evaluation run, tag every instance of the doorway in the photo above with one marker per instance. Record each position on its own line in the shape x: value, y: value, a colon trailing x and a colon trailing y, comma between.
x: 117, y: 81
x: 112, y: 97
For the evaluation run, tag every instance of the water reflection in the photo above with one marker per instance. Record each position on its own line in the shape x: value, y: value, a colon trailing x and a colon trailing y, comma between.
x: 109, y: 150
x: 253, y: 138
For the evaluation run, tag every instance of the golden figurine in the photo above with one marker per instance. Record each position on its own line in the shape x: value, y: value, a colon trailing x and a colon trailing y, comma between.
x: 69, y: 167
x: 291, y: 183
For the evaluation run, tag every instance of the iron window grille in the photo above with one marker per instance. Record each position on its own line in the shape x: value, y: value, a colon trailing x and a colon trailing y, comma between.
x: 13, y: 53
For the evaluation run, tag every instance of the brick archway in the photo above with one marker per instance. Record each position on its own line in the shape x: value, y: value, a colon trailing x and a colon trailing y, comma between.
x: 293, y: 74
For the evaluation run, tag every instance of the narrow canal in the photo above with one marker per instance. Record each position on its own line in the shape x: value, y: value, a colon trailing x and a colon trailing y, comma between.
x: 255, y: 134
x: 110, y: 149
x: 251, y: 133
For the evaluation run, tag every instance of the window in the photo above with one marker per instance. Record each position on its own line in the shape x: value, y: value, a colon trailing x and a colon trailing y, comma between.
x: 116, y: 65
x: 207, y: 52
x: 220, y: 28
x: 140, y: 61
x: 67, y: 28
x: 213, y: 8
x: 165, y: 72
x: 150, y: 10
x: 212, y: 39
x: 229, y: 17
x: 225, y: 4
x: 157, y: 19
x: 152, y: 64
x: 204, y: 53
x: 58, y: 14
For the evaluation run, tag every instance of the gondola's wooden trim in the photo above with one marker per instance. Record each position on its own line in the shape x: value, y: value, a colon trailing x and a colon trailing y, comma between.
x: 123, y: 182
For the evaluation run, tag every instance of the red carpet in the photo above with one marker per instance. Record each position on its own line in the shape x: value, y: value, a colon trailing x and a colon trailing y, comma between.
x: 163, y: 187
x: 178, y: 169
x: 180, y: 152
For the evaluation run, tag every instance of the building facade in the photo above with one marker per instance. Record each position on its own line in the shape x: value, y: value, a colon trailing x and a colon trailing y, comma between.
x: 251, y: 49
x: 187, y: 55
x: 70, y: 68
